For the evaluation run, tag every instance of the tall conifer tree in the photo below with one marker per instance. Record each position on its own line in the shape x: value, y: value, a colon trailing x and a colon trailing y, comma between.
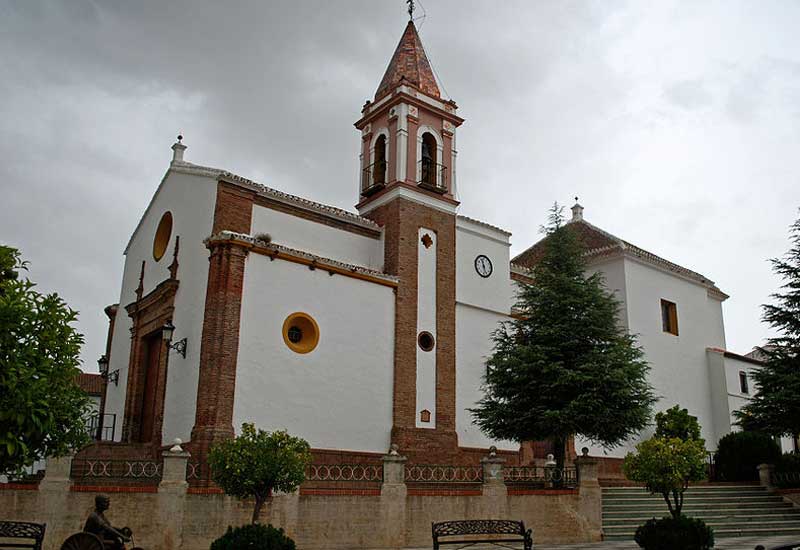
x: 775, y: 408
x: 564, y: 366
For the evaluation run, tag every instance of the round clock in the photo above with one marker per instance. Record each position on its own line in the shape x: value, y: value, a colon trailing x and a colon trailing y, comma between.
x: 483, y: 265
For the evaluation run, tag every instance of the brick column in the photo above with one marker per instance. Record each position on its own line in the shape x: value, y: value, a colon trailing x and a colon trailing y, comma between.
x: 220, y: 345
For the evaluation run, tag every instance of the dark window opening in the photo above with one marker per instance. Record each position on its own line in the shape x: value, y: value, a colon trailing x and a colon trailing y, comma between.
x: 426, y: 341
x: 428, y: 159
x: 743, y: 385
x: 294, y: 334
x: 379, y: 175
x: 669, y: 317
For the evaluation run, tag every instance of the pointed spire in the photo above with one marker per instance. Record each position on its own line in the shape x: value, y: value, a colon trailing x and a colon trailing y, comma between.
x: 409, y: 64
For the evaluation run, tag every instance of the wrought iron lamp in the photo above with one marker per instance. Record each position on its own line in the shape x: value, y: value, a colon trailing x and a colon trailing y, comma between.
x: 166, y: 333
x: 113, y: 376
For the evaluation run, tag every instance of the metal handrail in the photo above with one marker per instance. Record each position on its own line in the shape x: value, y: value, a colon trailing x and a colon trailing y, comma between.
x: 432, y: 175
x: 373, y: 175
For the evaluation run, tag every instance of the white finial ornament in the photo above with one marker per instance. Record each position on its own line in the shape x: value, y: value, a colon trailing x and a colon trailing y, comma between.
x: 176, y: 448
x: 577, y: 211
x: 177, y: 150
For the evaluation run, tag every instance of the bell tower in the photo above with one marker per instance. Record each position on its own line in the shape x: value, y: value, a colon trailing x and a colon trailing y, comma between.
x: 407, y: 185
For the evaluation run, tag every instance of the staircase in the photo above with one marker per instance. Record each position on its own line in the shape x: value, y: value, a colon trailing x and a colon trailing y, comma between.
x: 731, y: 510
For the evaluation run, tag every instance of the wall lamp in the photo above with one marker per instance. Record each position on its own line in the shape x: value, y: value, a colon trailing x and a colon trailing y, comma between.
x: 112, y: 376
x: 166, y: 333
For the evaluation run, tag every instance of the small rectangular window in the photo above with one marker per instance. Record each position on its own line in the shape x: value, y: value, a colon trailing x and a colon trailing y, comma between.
x: 669, y: 317
x: 743, y: 382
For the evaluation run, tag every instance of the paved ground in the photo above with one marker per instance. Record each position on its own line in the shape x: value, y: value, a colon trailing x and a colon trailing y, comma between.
x: 741, y: 543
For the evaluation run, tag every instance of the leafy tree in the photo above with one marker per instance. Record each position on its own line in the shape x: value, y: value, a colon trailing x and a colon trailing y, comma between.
x: 42, y: 409
x: 564, y: 366
x: 775, y: 408
x: 667, y: 465
x: 677, y: 422
x: 257, y: 462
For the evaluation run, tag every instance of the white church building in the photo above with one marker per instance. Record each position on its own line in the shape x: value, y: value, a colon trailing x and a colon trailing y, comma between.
x: 356, y: 330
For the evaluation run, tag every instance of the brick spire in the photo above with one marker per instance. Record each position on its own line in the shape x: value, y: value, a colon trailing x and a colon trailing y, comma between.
x: 410, y: 62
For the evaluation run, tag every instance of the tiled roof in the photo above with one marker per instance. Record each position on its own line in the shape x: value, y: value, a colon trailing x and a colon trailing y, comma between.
x: 409, y: 65
x: 90, y: 383
x: 484, y: 224
x: 599, y: 243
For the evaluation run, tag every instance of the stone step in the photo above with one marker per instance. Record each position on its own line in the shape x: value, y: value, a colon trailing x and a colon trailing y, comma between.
x: 695, y: 503
x: 709, y: 518
x: 694, y: 494
x: 724, y: 532
x: 716, y: 488
x: 659, y: 506
x: 720, y: 512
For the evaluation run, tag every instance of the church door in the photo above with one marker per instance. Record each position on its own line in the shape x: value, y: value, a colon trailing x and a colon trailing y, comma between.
x: 151, y: 371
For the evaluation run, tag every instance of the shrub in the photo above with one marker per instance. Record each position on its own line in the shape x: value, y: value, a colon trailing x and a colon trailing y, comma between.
x: 787, y: 471
x: 681, y: 533
x: 677, y: 422
x: 253, y: 537
x: 740, y: 453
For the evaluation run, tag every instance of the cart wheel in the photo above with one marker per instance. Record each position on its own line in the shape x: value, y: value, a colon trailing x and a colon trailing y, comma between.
x: 83, y: 541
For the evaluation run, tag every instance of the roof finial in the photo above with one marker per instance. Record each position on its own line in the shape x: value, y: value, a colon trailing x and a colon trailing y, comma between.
x: 177, y: 149
x: 410, y: 9
x: 577, y: 211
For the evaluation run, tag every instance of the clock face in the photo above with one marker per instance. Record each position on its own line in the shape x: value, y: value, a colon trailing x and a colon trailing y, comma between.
x: 483, y: 266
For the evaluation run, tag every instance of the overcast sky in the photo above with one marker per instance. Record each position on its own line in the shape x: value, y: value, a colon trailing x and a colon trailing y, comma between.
x: 676, y: 123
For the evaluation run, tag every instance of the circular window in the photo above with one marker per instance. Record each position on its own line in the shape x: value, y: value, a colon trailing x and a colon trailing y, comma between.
x: 163, y: 233
x: 426, y: 341
x: 300, y: 332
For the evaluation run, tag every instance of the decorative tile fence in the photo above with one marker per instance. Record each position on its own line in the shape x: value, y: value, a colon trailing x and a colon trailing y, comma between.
x: 544, y: 476
x: 440, y: 473
x: 345, y: 472
x: 93, y: 470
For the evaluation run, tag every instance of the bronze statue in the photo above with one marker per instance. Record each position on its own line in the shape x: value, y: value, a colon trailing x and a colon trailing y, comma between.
x: 97, y: 524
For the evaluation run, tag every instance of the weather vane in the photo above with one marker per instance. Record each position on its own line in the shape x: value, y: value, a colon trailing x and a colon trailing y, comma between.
x: 410, y: 9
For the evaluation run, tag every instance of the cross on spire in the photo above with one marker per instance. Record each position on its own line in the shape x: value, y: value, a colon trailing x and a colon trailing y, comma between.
x: 410, y: 9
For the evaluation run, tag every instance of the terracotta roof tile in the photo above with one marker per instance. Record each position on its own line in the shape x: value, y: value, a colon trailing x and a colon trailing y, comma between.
x: 409, y: 64
x: 599, y: 243
x: 90, y: 383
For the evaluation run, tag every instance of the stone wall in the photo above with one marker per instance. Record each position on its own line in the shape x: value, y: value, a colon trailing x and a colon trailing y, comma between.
x: 172, y: 516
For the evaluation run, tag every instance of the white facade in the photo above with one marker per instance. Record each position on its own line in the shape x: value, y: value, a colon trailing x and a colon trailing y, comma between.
x: 340, y: 395
x: 189, y: 193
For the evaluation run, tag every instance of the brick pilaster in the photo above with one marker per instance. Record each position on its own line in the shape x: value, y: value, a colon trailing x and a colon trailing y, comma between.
x: 220, y: 345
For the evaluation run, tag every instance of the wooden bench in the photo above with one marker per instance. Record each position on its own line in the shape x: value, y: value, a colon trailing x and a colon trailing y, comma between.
x: 29, y: 535
x: 507, y: 531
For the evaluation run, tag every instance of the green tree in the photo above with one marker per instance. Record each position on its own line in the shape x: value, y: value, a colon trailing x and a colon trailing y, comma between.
x: 564, y: 366
x: 775, y: 407
x: 42, y: 409
x: 677, y: 422
x: 257, y: 462
x: 667, y: 465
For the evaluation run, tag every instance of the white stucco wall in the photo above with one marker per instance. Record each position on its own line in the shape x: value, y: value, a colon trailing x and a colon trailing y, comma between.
x: 679, y: 370
x: 339, y: 396
x: 426, y: 321
x: 482, y: 303
x: 191, y: 200
x: 316, y: 238
x: 613, y: 271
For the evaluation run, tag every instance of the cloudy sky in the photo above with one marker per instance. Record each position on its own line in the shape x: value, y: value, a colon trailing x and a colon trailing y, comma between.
x: 677, y: 123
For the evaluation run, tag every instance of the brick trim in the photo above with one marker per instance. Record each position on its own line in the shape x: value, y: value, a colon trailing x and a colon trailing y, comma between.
x: 316, y: 217
x: 340, y: 492
x: 113, y: 489
x: 149, y: 314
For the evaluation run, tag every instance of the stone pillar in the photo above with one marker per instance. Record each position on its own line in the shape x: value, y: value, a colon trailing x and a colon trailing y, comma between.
x: 173, y: 472
x: 172, y: 496
x: 494, y: 489
x: 765, y: 472
x: 590, y: 503
x: 393, y: 498
x: 56, y: 474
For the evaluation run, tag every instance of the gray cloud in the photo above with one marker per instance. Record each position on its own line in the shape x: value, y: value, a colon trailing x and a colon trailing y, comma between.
x: 676, y: 123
